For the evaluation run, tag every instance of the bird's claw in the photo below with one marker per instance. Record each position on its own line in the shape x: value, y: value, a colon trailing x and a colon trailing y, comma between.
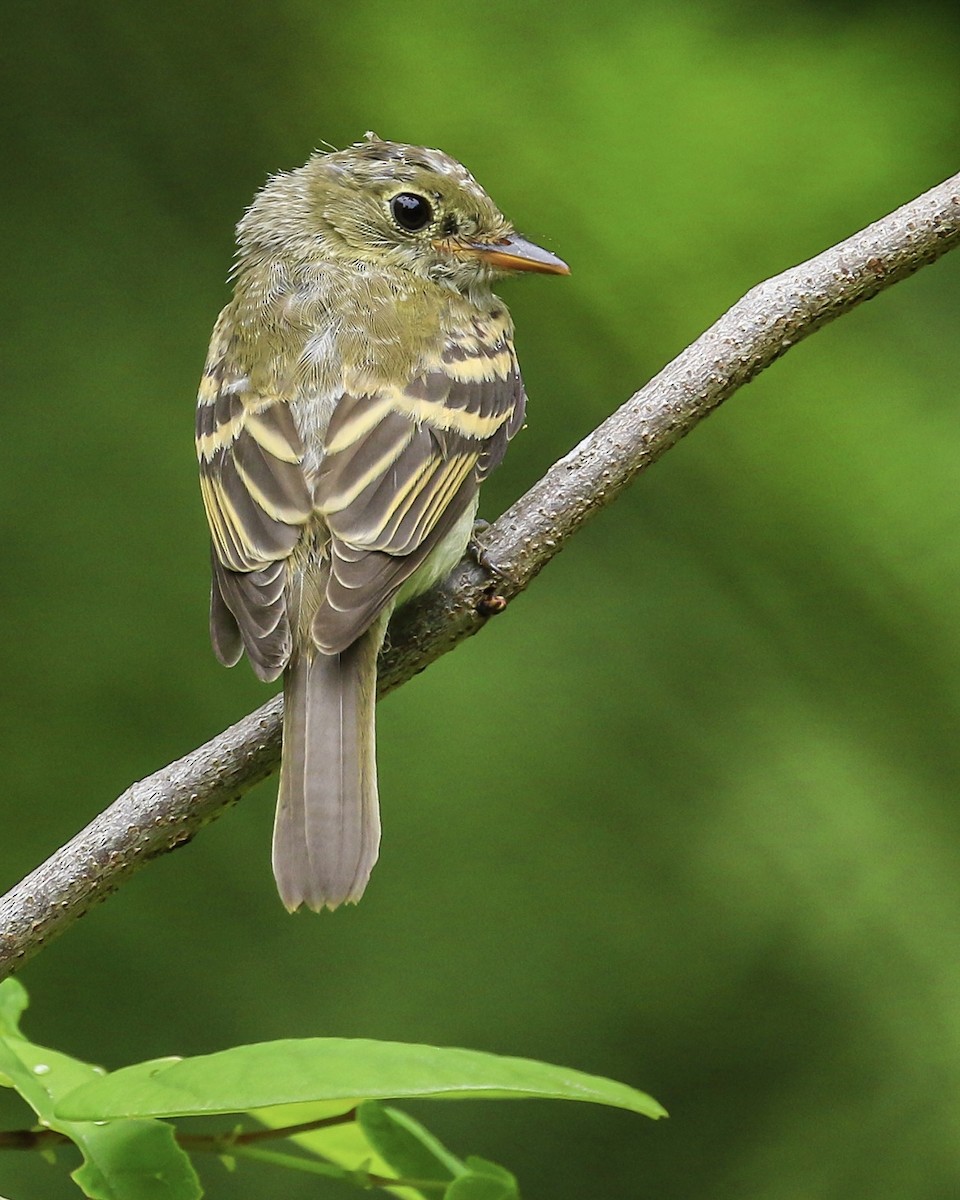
x: 491, y: 602
x: 478, y: 553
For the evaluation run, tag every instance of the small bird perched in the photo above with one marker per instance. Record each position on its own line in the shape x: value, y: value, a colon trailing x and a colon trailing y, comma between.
x: 359, y: 386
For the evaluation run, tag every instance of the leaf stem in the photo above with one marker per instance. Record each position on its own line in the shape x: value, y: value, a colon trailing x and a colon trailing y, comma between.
x: 317, y: 1167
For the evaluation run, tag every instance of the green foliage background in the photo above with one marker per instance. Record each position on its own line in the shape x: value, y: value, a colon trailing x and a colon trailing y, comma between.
x: 685, y: 816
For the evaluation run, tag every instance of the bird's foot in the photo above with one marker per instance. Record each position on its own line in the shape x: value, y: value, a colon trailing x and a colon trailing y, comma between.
x: 477, y: 552
x: 490, y: 603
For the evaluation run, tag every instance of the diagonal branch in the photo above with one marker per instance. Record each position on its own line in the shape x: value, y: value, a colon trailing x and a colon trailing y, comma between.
x: 166, y: 809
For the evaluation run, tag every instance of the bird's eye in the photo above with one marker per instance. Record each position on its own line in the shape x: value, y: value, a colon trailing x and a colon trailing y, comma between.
x: 411, y: 212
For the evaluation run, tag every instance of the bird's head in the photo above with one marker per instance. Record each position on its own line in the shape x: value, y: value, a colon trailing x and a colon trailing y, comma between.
x: 387, y: 205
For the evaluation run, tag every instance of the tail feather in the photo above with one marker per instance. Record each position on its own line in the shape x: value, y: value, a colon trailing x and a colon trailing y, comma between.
x: 327, y: 832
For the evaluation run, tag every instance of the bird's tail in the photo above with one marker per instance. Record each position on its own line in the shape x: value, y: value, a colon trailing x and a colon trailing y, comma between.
x: 327, y: 831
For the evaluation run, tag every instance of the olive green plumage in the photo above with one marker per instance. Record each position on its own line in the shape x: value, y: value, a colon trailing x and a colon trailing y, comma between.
x: 360, y: 385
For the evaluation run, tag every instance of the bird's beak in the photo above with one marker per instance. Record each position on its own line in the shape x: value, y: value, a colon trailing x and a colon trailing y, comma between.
x: 513, y: 253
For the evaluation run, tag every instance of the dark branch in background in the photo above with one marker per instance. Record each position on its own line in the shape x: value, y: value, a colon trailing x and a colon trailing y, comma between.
x: 166, y: 809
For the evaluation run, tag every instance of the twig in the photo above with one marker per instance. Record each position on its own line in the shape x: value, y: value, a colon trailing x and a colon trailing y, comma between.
x: 166, y: 809
x: 226, y: 1143
x: 213, y: 1143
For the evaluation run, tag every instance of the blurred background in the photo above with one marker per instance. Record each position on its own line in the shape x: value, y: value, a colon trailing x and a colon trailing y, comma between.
x: 687, y: 815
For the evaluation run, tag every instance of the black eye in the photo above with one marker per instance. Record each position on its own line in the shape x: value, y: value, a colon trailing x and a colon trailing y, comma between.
x: 411, y: 212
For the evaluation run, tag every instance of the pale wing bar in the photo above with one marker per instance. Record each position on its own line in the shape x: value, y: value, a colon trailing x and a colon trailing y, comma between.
x: 257, y: 500
x: 401, y: 468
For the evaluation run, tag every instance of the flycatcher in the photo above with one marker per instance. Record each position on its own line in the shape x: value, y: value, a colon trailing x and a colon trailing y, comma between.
x: 359, y: 387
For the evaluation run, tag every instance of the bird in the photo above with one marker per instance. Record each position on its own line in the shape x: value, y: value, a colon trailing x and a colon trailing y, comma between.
x: 360, y: 385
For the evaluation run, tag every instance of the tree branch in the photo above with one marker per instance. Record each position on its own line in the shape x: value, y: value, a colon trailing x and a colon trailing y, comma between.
x: 166, y: 809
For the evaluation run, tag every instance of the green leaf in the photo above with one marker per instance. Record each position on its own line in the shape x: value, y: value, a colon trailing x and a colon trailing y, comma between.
x: 483, y: 1166
x: 484, y: 1180
x: 126, y: 1160
x: 476, y: 1185
x: 292, y: 1072
x: 13, y: 1004
x: 40, y: 1075
x: 139, y: 1160
x: 344, y: 1144
x: 410, y: 1150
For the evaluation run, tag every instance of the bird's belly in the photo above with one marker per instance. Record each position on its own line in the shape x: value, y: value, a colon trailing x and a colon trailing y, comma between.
x: 443, y: 559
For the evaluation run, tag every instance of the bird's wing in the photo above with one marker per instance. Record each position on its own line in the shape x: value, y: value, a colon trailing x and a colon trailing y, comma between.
x: 402, y: 466
x: 257, y: 500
